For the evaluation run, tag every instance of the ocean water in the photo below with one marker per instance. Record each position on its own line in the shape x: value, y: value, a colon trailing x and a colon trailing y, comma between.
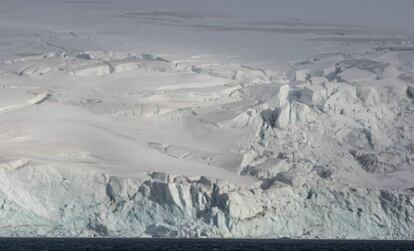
x: 62, y: 244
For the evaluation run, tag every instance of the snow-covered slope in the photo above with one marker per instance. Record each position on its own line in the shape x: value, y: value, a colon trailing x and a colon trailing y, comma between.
x: 147, y: 118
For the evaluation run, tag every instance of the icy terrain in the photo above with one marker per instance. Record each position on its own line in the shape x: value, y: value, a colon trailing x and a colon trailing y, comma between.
x: 162, y: 118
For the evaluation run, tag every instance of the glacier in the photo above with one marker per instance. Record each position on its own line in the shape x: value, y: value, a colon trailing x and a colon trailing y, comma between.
x: 147, y: 119
x: 41, y: 201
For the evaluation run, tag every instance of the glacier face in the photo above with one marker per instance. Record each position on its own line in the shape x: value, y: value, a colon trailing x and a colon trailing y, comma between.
x: 44, y: 201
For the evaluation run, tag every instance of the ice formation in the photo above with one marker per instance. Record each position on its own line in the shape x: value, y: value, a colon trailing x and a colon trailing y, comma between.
x: 101, y: 138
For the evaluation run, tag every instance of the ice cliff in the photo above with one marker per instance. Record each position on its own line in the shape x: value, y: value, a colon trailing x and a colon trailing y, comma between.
x: 44, y: 201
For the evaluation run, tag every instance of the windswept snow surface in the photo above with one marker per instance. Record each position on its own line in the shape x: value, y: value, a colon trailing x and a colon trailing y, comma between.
x: 207, y: 118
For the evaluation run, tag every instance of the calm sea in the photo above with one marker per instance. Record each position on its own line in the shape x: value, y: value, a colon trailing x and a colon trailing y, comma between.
x: 121, y: 244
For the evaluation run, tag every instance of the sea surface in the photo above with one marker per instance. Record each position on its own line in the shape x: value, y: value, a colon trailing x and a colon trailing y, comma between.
x: 62, y: 244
